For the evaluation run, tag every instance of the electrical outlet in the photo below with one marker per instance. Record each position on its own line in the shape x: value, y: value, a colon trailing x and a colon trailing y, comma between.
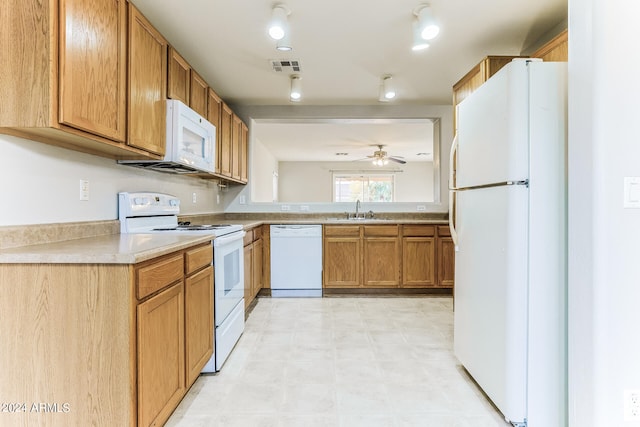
x: 632, y: 405
x: 194, y: 198
x: 421, y: 208
x: 84, y: 190
x: 217, y: 199
x: 243, y: 199
x: 304, y: 207
x: 285, y: 207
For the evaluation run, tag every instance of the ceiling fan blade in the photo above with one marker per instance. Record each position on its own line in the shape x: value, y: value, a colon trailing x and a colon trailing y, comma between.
x: 394, y: 159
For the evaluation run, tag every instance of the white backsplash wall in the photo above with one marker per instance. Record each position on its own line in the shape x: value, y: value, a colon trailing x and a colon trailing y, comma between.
x: 40, y: 184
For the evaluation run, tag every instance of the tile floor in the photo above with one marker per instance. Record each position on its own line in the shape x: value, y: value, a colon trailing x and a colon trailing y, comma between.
x: 341, y: 362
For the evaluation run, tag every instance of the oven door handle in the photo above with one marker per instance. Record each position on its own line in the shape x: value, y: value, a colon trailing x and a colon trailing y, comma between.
x: 228, y: 238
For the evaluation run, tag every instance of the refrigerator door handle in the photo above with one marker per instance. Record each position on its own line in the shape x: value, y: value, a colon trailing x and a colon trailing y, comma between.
x: 452, y: 192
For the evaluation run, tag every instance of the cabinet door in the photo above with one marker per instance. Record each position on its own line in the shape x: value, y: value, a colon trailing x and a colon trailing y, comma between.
x: 236, y: 134
x: 214, y: 113
x: 244, y: 153
x: 256, y: 268
x: 446, y: 262
x: 179, y: 77
x: 199, y: 94
x: 381, y: 262
x: 147, y: 84
x: 198, y: 294
x: 92, y: 73
x: 418, y: 262
x: 161, y: 365
x: 342, y: 262
x: 226, y: 124
x: 248, y: 276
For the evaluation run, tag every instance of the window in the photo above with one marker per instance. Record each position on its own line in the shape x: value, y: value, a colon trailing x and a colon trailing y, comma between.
x: 366, y: 188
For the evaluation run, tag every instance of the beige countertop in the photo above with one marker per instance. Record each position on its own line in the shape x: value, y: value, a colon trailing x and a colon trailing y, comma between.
x: 99, y: 242
x: 106, y: 249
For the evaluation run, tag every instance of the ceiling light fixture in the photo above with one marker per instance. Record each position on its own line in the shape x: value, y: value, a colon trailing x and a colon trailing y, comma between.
x: 387, y: 93
x: 284, y: 44
x: 427, y: 26
x: 279, y: 26
x: 296, y: 89
x: 418, y: 42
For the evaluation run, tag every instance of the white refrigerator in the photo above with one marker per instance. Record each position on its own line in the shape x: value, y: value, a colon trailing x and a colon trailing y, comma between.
x: 509, y: 229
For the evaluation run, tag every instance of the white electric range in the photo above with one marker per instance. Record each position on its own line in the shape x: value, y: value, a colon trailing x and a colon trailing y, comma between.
x: 148, y: 212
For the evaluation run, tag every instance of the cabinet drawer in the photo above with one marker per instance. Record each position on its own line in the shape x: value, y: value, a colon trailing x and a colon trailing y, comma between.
x: 342, y: 230
x: 381, y: 230
x: 418, y: 230
x: 257, y: 233
x: 444, y: 231
x: 248, y: 238
x: 153, y: 277
x: 198, y: 258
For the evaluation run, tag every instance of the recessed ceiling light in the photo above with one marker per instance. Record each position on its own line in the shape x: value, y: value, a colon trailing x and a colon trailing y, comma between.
x: 342, y: 154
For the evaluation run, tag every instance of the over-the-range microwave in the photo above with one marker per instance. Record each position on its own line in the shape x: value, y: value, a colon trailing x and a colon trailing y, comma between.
x: 191, y: 143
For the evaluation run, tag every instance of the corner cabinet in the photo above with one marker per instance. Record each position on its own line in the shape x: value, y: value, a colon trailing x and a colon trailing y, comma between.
x: 147, y: 84
x: 119, y: 344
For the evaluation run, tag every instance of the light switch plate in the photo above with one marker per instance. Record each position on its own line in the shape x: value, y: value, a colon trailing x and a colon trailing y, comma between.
x: 632, y: 192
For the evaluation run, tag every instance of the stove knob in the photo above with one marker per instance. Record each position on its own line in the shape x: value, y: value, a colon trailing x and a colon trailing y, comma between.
x: 174, y: 202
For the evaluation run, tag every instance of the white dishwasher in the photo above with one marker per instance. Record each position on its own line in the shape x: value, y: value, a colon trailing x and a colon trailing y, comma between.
x: 296, y: 260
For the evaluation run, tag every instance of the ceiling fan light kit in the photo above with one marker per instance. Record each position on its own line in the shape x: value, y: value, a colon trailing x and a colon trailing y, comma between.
x: 381, y: 158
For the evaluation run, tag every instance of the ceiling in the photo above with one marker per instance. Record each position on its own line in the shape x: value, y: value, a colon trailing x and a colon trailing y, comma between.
x: 344, y: 48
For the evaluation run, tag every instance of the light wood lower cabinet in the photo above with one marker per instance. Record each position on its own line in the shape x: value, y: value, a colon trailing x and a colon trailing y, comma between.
x: 381, y: 260
x: 161, y: 369
x: 109, y: 357
x: 418, y: 256
x: 199, y: 315
x: 342, y: 260
x: 253, y: 264
x: 387, y: 256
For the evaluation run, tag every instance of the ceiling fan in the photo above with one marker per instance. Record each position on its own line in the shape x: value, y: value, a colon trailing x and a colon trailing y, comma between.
x: 381, y: 158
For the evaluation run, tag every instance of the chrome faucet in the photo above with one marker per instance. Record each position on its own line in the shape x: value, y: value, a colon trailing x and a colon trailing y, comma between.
x: 357, y: 207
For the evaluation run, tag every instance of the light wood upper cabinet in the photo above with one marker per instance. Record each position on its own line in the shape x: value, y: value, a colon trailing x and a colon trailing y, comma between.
x: 93, y: 66
x: 214, y: 115
x: 199, y: 94
x: 179, y: 77
x: 147, y: 84
x: 64, y: 63
x: 244, y: 153
x: 556, y: 50
x: 236, y: 134
x: 226, y: 126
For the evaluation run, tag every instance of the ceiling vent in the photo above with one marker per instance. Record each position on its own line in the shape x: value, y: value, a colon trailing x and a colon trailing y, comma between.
x: 285, y: 66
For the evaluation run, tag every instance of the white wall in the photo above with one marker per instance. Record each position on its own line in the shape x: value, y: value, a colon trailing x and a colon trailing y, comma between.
x: 312, y: 181
x: 604, y: 238
x: 40, y: 184
x: 262, y: 167
x: 443, y: 127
